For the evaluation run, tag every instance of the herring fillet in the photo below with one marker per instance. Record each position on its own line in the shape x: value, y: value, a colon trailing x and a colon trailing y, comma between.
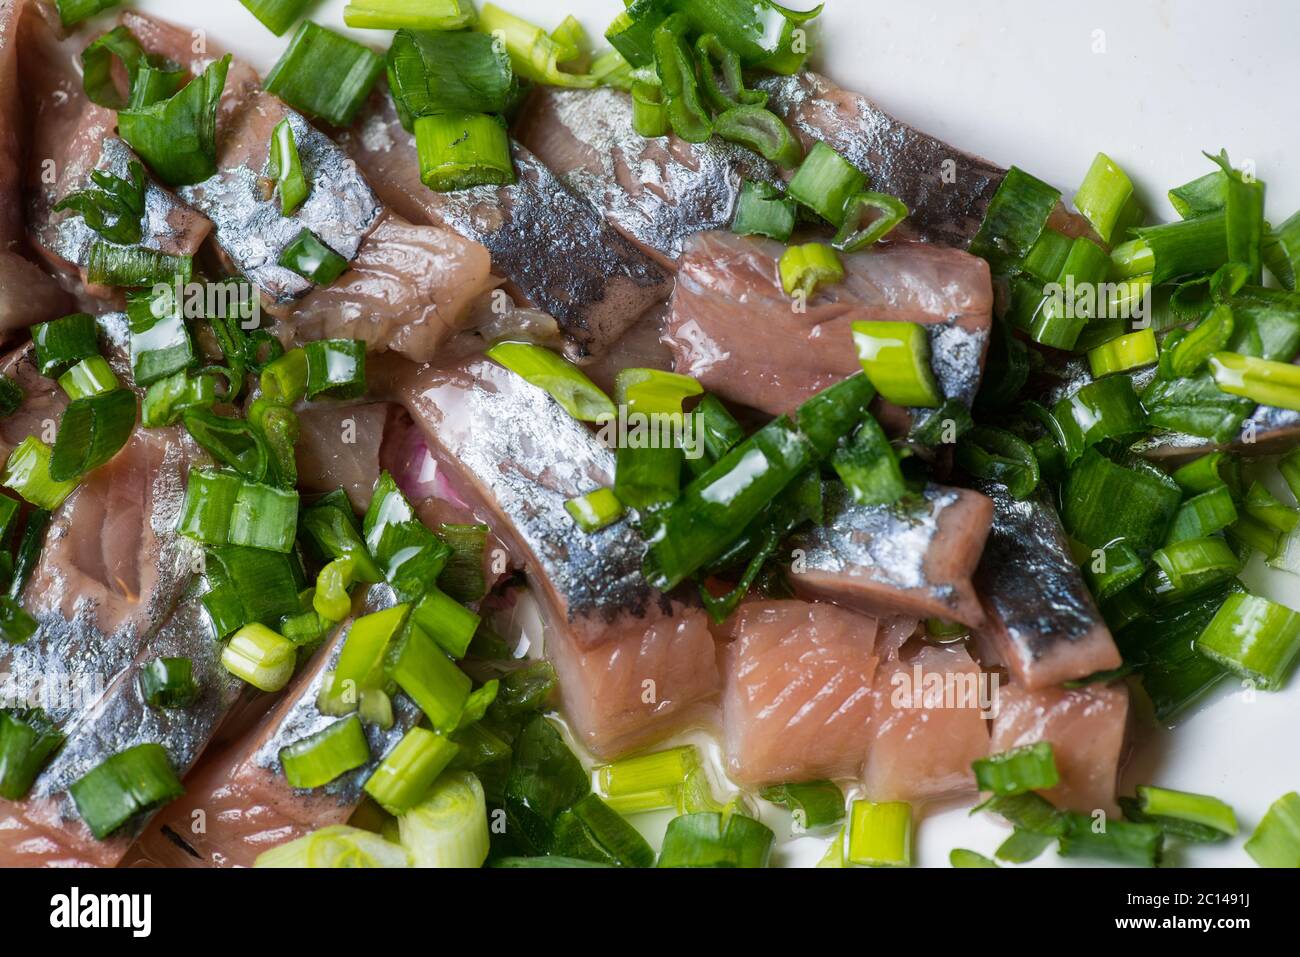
x: 555, y: 251
x: 656, y: 192
x: 734, y: 329
x: 1039, y: 614
x: 914, y: 558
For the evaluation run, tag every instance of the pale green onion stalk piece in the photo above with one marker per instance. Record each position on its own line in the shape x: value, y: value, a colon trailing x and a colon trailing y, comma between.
x: 336, y: 846
x: 1126, y: 352
x: 595, y: 510
x: 1198, y: 808
x: 805, y: 268
x: 880, y: 835
x: 261, y: 657
x: 834, y: 856
x: 648, y: 772
x: 896, y: 358
x: 1276, y: 841
x: 449, y: 828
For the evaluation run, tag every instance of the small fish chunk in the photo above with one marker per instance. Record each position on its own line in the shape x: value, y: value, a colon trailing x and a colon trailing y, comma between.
x: 1039, y: 615
x: 734, y: 329
x: 799, y: 695
x: 1086, y: 729
x: 928, y: 727
x: 338, y: 447
x: 912, y: 558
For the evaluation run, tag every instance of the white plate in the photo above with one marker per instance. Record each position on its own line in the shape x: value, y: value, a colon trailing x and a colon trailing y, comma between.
x: 1045, y: 86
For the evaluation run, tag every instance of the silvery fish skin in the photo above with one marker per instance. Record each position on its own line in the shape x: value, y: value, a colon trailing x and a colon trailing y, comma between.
x: 1039, y: 616
x: 247, y: 804
x: 656, y: 192
x: 946, y: 190
x: 12, y: 145
x: 553, y: 248
x: 340, y: 209
x: 912, y: 558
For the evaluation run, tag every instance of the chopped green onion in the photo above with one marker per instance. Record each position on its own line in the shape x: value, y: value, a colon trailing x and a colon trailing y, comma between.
x: 17, y: 627
x: 409, y: 14
x: 880, y: 835
x: 1106, y: 199
x: 729, y: 92
x: 410, y: 555
x: 961, y: 857
x: 129, y: 783
x: 260, y: 657
x: 1249, y: 534
x: 1015, y: 219
x: 331, y: 600
x: 29, y: 550
x: 763, y: 210
x: 312, y: 259
x: 868, y: 218
x: 1107, y: 409
x: 462, y: 577
x: 815, y: 804
x: 595, y: 510
x: 761, y: 31
x: 324, y: 74
x: 610, y: 69
x: 805, y: 268
x: 1046, y: 258
x: 285, y: 379
x: 1121, y: 841
x: 286, y: 169
x: 62, y: 343
x: 72, y: 12
x: 535, y: 54
x: 572, y: 39
x: 868, y: 466
x: 250, y: 585
x: 88, y: 377
x: 1253, y: 637
x: 762, y: 131
x: 168, y: 683
x: 434, y: 72
x: 997, y: 455
x: 1063, y: 316
x: 449, y: 827
x: 659, y: 800
x: 177, y: 137
x: 336, y: 846
x: 564, y: 381
x: 591, y: 830
x: 1209, y: 472
x: 113, y: 207
x: 1276, y: 841
x: 336, y: 368
x: 1263, y: 506
x: 236, y: 443
x: 92, y: 431
x: 28, y: 739
x: 544, y: 779
x: 1197, y: 808
x: 278, y: 15
x: 97, y: 67
x: 160, y: 341
x: 1206, y: 194
x: 1260, y: 380
x: 1103, y: 501
x: 1244, y: 209
x: 632, y: 31
x: 720, y: 430
x: 361, y: 661
x: 156, y: 80
x: 1132, y: 351
x: 649, y: 111
x: 428, y: 676
x: 1031, y: 767
x: 405, y: 775
x: 320, y: 758
x: 27, y: 472
x: 896, y: 358
x: 679, y: 74
x: 1188, y: 567
x: 648, y: 772
x: 1204, y: 514
x: 825, y: 183
x: 1282, y: 252
x: 224, y: 509
x: 458, y: 150
x: 834, y: 856
x: 1211, y: 335
x: 1185, y: 248
x: 446, y: 621
x: 711, y: 839
x: 134, y: 266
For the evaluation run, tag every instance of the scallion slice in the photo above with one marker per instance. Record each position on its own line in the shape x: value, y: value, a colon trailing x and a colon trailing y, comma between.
x: 649, y: 111
x: 336, y: 846
x: 1031, y: 767
x: 27, y: 472
x: 320, y: 758
x: 409, y: 14
x: 1260, y: 380
x: 89, y: 377
x: 1197, y: 808
x: 435, y: 72
x: 868, y: 218
x: 534, y: 53
x: 961, y: 857
x: 1121, y: 841
x: 1209, y: 472
x: 564, y: 381
x: 458, y: 150
x: 590, y: 830
x: 679, y: 73
x: 1062, y: 318
x: 325, y: 74
x: 804, y: 268
x: 712, y: 839
x: 62, y: 343
x: 360, y: 663
x: 1104, y: 501
x: 1253, y: 637
x: 1276, y: 841
x: 1282, y: 252
x: 648, y: 772
x: 336, y: 368
x: 224, y: 509
x: 1204, y: 514
x: 278, y: 15
x: 880, y: 835
x: 896, y: 358
x: 1263, y: 506
x: 1107, y: 409
x: 449, y: 827
x: 312, y: 259
x: 815, y: 804
x: 286, y: 169
x: 177, y: 137
x: 825, y: 182
x: 17, y: 626
x: 1015, y: 219
x: 410, y: 556
x: 28, y: 739
x: 72, y: 12
x: 632, y: 31
x: 260, y: 656
x: 446, y: 621
x: 595, y: 510
x: 422, y: 669
x: 1172, y: 250
x: 763, y: 210
x: 168, y: 683
x: 330, y: 599
x: 723, y: 79
x: 868, y: 466
x: 135, y: 267
x: 129, y: 783
x: 762, y: 131
x: 113, y: 207
x: 1131, y: 351
x: 160, y: 341
x: 1106, y: 199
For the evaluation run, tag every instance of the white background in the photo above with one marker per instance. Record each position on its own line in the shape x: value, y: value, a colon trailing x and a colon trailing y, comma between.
x: 1045, y: 85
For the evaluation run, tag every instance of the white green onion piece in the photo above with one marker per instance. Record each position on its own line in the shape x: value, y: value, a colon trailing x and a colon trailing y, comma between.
x: 261, y: 657
x: 449, y: 827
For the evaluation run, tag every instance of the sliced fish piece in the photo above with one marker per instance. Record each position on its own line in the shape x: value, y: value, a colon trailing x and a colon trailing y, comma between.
x: 28, y: 295
x: 641, y: 347
x: 556, y: 252
x: 341, y: 209
x: 928, y: 727
x: 338, y: 447
x: 12, y: 147
x: 734, y: 329
x: 69, y: 138
x: 799, y: 701
x: 1086, y: 729
x: 914, y: 558
x: 237, y: 802
x: 409, y: 290
x: 1039, y: 616
x: 656, y: 192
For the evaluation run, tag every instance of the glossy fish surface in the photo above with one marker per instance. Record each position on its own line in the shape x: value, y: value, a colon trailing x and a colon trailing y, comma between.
x: 734, y: 328
x: 914, y: 558
x: 1039, y: 614
x: 656, y: 192
x: 555, y: 251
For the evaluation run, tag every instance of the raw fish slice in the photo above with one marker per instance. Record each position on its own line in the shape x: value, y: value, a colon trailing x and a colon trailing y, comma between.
x: 798, y: 702
x: 914, y: 558
x: 1086, y: 728
x: 929, y: 726
x: 339, y: 446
